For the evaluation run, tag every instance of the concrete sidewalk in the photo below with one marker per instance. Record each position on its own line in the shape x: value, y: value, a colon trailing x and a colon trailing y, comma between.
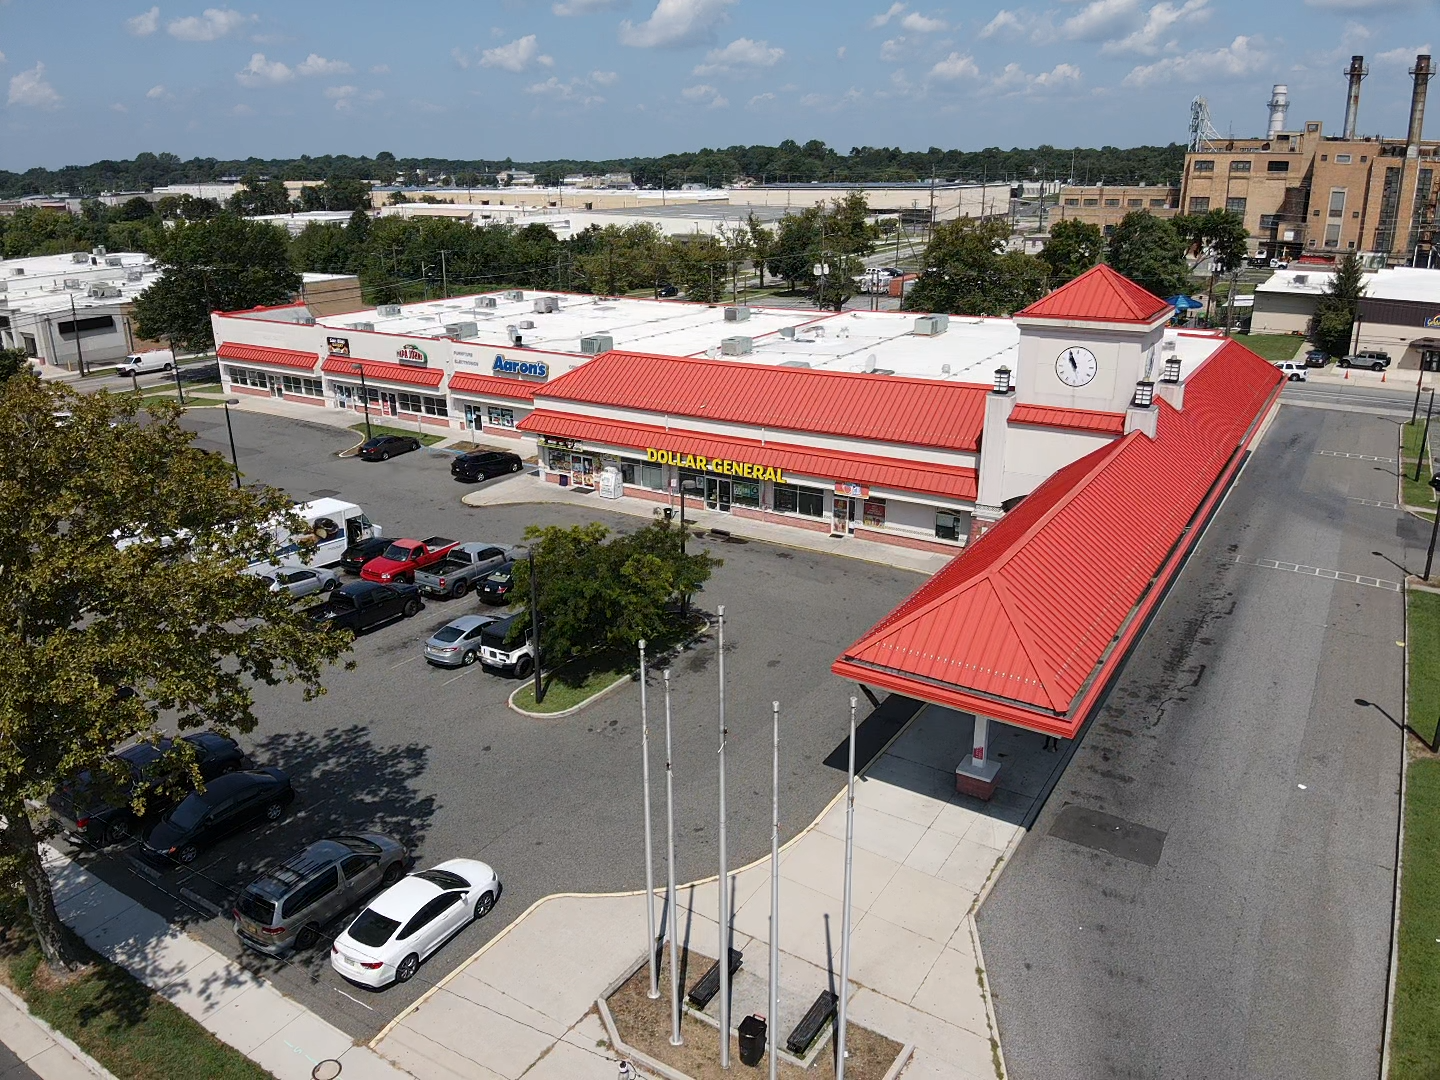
x: 38, y: 1050
x: 522, y: 1006
x: 529, y: 488
x: 234, y: 1005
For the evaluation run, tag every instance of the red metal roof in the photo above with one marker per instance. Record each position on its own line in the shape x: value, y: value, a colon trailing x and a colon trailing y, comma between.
x: 1098, y: 295
x: 466, y: 382
x: 952, y: 482
x: 883, y: 408
x: 379, y: 369
x: 1028, y: 624
x: 1106, y: 423
x: 263, y: 354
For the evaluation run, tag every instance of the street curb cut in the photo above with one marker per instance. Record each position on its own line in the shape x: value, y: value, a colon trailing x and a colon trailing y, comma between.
x: 510, y: 701
x: 60, y: 1038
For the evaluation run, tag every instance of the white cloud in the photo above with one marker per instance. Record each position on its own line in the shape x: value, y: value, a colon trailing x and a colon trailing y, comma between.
x: 892, y: 49
x: 380, y: 69
x: 30, y: 89
x: 516, y: 56
x: 955, y: 66
x: 740, y: 55
x: 211, y: 25
x: 314, y: 64
x: 158, y: 93
x: 1015, y: 80
x: 698, y: 93
x: 118, y: 107
x: 575, y: 89
x: 1004, y: 22
x: 760, y: 99
x: 2, y: 58
x: 894, y: 11
x: 144, y: 24
x: 242, y: 110
x: 339, y: 91
x: 604, y: 78
x: 565, y: 8
x: 1405, y: 55
x: 262, y: 72
x: 1159, y: 20
x: 922, y: 24
x: 674, y: 23
x: 1243, y: 56
x: 1099, y: 19
x: 840, y: 53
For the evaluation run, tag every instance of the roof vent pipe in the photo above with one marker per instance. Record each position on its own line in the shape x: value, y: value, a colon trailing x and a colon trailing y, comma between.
x: 1279, y: 105
x: 1354, y: 74
x: 1422, y: 73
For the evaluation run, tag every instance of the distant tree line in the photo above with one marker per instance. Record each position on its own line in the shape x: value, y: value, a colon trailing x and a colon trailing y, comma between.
x: 790, y: 162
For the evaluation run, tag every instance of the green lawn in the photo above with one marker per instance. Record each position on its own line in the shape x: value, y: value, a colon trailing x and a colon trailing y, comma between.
x: 121, y: 1024
x: 1416, y: 492
x: 1423, y: 706
x: 1273, y: 347
x: 426, y: 439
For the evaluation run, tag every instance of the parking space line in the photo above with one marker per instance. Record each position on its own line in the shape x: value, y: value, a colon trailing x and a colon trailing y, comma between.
x: 357, y: 1001
x: 404, y: 662
x: 1320, y: 572
x: 1372, y: 502
x: 1357, y: 457
x: 447, y: 682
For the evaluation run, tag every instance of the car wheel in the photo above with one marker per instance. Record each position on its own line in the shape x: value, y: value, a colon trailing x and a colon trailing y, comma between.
x: 459, y: 589
x: 414, y: 444
x: 385, y: 456
x: 468, y: 658
x: 330, y: 585
x: 516, y: 467
x: 113, y: 834
x: 1294, y: 378
x: 524, y: 667
x: 1343, y: 363
x: 187, y: 854
x: 1377, y: 367
x: 307, y: 937
x: 412, y: 607
x: 393, y: 873
x: 274, y: 811
x: 484, y: 904
x: 168, y: 367
x: 406, y: 971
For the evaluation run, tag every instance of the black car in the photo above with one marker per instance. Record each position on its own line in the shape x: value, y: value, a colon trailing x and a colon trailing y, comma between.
x: 667, y: 290
x: 496, y: 586
x: 84, y: 811
x: 357, y: 555
x: 384, y: 447
x: 1317, y: 358
x: 203, y: 818
x: 483, y: 464
x: 363, y: 604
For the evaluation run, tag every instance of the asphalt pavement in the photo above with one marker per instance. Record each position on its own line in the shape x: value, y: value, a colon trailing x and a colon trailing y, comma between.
x: 436, y: 758
x: 1208, y: 892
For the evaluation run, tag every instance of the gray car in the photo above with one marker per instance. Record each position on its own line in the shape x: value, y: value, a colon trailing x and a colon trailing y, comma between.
x: 298, y: 581
x: 286, y: 908
x: 457, y: 643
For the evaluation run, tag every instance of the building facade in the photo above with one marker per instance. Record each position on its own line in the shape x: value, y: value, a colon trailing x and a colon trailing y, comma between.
x: 1105, y: 204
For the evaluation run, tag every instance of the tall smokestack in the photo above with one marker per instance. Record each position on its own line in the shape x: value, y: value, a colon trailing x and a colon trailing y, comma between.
x: 1355, y: 72
x: 1279, y: 104
x: 1422, y: 73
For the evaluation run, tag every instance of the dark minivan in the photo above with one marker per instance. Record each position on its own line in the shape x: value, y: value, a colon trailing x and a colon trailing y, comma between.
x: 227, y: 805
x: 483, y: 464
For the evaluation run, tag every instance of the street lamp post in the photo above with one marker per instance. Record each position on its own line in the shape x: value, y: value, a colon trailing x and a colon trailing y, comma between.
x: 229, y: 430
x: 175, y: 361
x: 1434, y: 528
x: 364, y: 398
x: 1424, y: 437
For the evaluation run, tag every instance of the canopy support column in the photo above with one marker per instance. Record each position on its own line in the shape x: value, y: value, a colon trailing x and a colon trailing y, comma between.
x: 978, y: 775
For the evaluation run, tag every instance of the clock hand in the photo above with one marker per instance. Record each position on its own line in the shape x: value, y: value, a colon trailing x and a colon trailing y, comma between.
x: 1071, y: 357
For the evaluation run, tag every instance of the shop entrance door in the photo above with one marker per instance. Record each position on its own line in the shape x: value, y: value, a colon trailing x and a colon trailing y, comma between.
x: 391, y: 406
x: 842, y: 517
x: 277, y: 388
x: 717, y: 494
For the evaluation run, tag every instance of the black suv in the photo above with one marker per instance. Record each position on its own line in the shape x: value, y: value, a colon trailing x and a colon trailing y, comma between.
x: 483, y: 464
x: 85, y: 813
x: 227, y: 805
x: 358, y: 554
x: 384, y: 447
x: 363, y: 604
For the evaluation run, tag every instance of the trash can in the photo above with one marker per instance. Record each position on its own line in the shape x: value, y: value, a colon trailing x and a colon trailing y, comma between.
x: 564, y: 479
x: 752, y: 1039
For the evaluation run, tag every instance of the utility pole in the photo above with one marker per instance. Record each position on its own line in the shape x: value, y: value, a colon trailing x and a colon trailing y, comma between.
x: 675, y: 1039
x: 724, y: 882
x: 845, y: 904
x: 179, y: 390
x: 75, y: 328
x: 444, y: 279
x: 774, y: 1007
x: 1424, y: 438
x: 654, y: 990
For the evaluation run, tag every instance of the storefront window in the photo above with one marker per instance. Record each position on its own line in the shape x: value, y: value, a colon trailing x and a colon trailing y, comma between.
x: 421, y: 403
x: 249, y: 377
x: 952, y: 524
x: 498, y: 417
x: 793, y: 499
x: 652, y: 477
x: 745, y: 493
x: 294, y: 384
x: 874, y: 512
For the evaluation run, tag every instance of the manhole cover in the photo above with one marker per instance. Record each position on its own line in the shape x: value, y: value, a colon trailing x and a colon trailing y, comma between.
x: 328, y: 1069
x: 323, y: 493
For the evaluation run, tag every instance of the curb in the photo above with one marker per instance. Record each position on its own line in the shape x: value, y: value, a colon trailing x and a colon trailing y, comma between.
x: 60, y: 1039
x: 510, y: 701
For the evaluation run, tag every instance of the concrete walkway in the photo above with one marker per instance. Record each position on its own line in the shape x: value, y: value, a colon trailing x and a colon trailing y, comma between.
x: 238, y: 1008
x: 521, y: 1007
x: 38, y: 1050
x: 529, y: 488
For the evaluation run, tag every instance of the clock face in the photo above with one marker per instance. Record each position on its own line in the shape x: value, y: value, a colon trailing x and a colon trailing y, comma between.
x: 1076, y: 366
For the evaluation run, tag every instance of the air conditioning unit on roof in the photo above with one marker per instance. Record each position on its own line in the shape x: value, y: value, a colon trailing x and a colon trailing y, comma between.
x: 513, y: 294
x: 79, y: 257
x: 595, y: 344
x: 388, y: 311
x: 527, y: 324
x: 112, y: 260
x: 72, y: 283
x: 931, y: 325
x: 360, y: 326
x: 485, y: 302
x: 466, y: 329
x: 546, y: 304
x: 737, y: 346
x: 104, y: 291
x: 788, y: 333
x: 737, y: 314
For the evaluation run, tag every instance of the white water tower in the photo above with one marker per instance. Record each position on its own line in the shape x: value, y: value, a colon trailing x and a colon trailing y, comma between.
x: 1279, y: 104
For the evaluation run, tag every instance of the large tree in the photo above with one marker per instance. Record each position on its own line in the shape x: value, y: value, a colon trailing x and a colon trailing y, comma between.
x: 1217, y: 237
x: 105, y: 643
x: 1074, y: 247
x: 336, y: 193
x: 797, y: 247
x: 224, y: 264
x: 257, y: 196
x: 1336, y: 310
x: 969, y: 272
x: 1149, y: 251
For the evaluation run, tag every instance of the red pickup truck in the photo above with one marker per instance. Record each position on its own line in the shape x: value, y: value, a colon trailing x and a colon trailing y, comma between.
x: 403, y: 557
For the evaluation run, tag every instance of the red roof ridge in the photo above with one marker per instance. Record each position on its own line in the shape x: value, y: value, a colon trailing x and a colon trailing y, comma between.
x: 1100, y: 294
x: 1043, y: 671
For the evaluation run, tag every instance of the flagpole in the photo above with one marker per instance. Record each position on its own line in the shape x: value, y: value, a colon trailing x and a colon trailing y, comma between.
x: 774, y: 1008
x: 675, y: 1039
x: 845, y: 906
x: 654, y: 991
x: 723, y: 883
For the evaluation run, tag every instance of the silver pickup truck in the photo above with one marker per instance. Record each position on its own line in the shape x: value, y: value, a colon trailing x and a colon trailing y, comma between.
x: 463, y: 567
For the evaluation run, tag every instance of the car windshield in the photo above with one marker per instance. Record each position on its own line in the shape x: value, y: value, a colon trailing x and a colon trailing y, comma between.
x: 397, y: 552
x: 373, y: 929
x: 449, y: 633
x: 256, y: 908
x: 443, y: 878
x: 188, y: 814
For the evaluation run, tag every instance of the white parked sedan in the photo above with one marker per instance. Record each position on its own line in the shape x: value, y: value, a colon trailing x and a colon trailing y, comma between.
x: 411, y: 919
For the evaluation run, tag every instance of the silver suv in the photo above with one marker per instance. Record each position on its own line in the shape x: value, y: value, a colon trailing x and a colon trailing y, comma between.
x: 1374, y: 359
x: 287, y: 907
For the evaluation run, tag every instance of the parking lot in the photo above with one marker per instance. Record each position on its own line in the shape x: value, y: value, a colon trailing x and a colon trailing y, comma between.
x: 436, y: 758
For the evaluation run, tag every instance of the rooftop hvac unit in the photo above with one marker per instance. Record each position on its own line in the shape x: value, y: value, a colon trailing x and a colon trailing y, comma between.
x: 931, y: 325
x: 485, y: 302
x: 306, y: 320
x: 98, y: 250
x: 112, y: 260
x: 467, y: 329
x: 595, y: 344
x: 4, y: 286
x: 546, y: 304
x: 944, y: 369
x: 388, y: 311
x: 513, y: 294
x: 17, y: 271
x: 134, y: 274
x: 795, y: 363
x: 1301, y: 279
x: 79, y: 257
x: 737, y: 346
x: 788, y: 333
x: 104, y: 291
x: 72, y: 283
x: 513, y: 333
x: 360, y: 326
x: 737, y: 314
x: 527, y: 324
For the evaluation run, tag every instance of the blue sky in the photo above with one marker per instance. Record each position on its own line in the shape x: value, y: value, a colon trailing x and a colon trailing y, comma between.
x: 600, y: 78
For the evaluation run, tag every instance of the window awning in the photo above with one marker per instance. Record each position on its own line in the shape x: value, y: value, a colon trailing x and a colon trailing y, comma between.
x: 385, y: 372
x: 466, y: 382
x: 264, y: 354
x: 951, y: 482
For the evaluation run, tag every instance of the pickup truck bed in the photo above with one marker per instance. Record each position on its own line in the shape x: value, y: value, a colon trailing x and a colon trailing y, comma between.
x: 461, y: 569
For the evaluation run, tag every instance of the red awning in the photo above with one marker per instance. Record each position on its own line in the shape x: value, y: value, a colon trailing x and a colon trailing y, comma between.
x: 264, y: 354
x: 948, y: 481
x: 1102, y: 423
x: 466, y: 382
x: 385, y: 372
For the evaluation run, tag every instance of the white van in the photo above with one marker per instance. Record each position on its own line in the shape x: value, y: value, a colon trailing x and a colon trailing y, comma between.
x: 146, y: 362
x: 334, y: 526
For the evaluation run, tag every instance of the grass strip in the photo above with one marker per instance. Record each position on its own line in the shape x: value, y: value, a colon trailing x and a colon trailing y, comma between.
x: 561, y: 695
x: 1423, y: 707
x: 1415, y: 1036
x: 1416, y: 492
x: 426, y: 439
x: 1272, y: 347
x: 130, y: 1030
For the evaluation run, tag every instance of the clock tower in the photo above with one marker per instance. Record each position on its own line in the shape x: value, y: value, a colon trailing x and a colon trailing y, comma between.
x: 1084, y: 350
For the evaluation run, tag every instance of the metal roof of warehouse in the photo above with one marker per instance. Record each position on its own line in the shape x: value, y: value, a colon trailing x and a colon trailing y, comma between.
x: 1028, y: 624
x: 881, y: 408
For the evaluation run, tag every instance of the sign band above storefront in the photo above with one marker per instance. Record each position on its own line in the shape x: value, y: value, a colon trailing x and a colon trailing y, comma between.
x: 520, y: 367
x: 723, y: 466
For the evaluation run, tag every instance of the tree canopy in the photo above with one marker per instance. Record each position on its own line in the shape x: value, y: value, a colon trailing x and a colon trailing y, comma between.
x: 1074, y: 247
x: 102, y: 643
x: 969, y: 272
x: 1149, y: 251
x: 1335, y: 311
